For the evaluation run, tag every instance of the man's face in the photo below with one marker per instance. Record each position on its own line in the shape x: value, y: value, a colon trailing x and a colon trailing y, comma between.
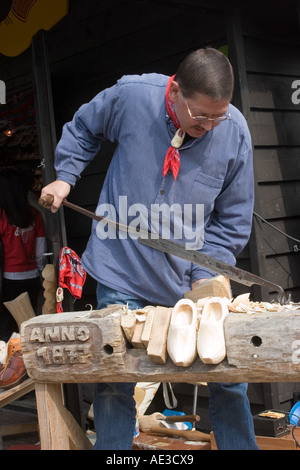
x: 198, y: 105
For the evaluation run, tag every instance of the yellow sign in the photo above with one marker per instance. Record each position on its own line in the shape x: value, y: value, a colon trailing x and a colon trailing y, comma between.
x: 25, y: 19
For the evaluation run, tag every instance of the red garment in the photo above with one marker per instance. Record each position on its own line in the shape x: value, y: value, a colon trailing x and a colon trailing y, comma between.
x: 172, y: 159
x: 71, y: 274
x: 19, y: 244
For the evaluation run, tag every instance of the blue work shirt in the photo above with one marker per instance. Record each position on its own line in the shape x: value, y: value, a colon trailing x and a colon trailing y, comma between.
x: 216, y: 174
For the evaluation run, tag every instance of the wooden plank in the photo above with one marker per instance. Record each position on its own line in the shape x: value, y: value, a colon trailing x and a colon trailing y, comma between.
x: 271, y: 92
x: 284, y: 270
x: 218, y: 286
x: 77, y: 436
x: 128, y: 323
x: 156, y: 55
x: 277, y: 164
x: 80, y: 347
x: 52, y: 427
x: 58, y: 428
x: 137, y: 335
x: 22, y: 428
x: 157, y: 346
x: 280, y: 200
x: 286, y: 442
x: 148, y: 327
x: 12, y: 394
x: 105, y: 25
x: 272, y: 57
x: 271, y: 24
x: 251, y: 341
x: 275, y: 243
x: 275, y: 128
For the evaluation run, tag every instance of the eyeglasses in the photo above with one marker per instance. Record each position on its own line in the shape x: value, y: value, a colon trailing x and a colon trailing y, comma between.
x: 204, y: 118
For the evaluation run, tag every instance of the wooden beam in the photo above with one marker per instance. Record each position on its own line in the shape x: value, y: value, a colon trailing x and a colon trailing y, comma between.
x: 21, y: 428
x: 47, y: 135
x: 88, y: 348
x: 53, y: 431
x: 56, y: 425
x: 12, y: 394
x: 56, y: 230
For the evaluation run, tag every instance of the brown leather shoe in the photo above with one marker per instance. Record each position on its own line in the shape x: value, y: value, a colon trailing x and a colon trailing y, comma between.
x: 13, y: 371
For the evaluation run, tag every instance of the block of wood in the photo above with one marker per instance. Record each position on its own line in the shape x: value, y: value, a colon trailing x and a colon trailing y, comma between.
x: 157, y: 346
x: 218, y: 286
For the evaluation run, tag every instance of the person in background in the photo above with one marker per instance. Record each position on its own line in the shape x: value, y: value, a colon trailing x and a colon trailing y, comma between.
x: 179, y: 141
x: 22, y: 235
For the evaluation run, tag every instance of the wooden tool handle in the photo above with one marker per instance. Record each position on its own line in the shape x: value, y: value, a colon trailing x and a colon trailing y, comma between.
x: 46, y: 201
x: 181, y: 418
x: 189, y: 435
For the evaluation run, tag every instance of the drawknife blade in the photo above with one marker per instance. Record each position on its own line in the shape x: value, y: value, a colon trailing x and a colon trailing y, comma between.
x: 220, y: 267
x: 176, y: 249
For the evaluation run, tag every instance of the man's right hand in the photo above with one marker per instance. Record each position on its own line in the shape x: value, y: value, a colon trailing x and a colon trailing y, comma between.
x: 59, y: 190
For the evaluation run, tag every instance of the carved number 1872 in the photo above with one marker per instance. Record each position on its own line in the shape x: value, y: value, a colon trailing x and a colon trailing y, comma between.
x: 71, y: 354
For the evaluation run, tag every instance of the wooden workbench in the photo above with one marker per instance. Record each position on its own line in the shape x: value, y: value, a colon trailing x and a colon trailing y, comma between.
x: 90, y: 347
x: 83, y: 347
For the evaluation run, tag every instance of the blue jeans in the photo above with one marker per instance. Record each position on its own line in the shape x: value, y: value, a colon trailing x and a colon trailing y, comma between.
x: 115, y: 413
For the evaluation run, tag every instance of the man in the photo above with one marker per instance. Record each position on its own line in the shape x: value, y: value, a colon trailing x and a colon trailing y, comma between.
x: 208, y: 165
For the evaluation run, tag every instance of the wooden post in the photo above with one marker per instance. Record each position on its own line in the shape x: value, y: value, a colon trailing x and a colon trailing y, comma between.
x: 56, y: 231
x: 58, y: 429
x: 53, y: 430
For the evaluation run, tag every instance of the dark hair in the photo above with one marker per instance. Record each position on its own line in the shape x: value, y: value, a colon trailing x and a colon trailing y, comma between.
x: 14, y: 186
x: 206, y: 71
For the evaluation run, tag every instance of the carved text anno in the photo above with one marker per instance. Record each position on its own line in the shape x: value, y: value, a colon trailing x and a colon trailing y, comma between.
x: 51, y: 334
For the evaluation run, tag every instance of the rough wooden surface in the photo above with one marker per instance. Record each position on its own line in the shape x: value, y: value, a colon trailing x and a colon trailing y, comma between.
x: 57, y: 427
x: 12, y: 394
x: 90, y: 347
x: 257, y: 340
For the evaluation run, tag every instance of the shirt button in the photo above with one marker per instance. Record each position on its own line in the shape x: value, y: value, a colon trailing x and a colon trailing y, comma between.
x: 162, y: 191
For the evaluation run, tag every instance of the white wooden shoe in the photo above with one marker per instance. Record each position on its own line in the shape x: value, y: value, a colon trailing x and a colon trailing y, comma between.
x: 182, y: 334
x: 210, y: 340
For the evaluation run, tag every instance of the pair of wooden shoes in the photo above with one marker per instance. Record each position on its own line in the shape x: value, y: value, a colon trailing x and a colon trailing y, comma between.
x: 184, y: 341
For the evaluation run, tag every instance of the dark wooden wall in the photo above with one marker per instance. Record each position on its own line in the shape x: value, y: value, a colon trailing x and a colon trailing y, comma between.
x: 97, y: 42
x: 268, y: 39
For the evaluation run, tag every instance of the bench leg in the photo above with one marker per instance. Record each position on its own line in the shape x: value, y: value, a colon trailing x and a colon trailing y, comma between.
x: 58, y: 429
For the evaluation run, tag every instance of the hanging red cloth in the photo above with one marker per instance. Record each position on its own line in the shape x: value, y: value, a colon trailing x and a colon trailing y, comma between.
x: 71, y: 275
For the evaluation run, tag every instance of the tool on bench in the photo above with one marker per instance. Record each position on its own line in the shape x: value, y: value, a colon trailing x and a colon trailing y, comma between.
x: 176, y: 249
x: 186, y: 434
x: 180, y: 418
x: 159, y: 419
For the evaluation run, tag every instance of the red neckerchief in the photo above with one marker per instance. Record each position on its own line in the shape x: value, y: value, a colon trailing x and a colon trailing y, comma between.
x: 172, y: 159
